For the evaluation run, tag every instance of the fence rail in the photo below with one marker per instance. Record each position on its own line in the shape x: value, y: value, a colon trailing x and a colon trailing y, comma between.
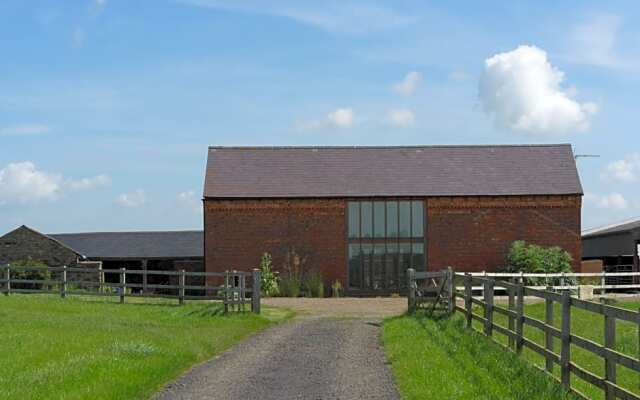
x: 233, y: 291
x: 517, y: 340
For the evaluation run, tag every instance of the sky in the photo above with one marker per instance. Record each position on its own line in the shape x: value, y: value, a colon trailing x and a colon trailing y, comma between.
x: 107, y: 106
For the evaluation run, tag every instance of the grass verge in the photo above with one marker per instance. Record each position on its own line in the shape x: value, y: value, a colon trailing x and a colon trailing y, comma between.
x: 87, y: 348
x: 440, y: 359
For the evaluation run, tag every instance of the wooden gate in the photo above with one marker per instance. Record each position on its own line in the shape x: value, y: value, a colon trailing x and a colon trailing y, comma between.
x: 431, y: 291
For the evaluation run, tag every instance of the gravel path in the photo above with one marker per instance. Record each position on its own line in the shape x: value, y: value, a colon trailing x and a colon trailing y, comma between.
x: 310, y: 357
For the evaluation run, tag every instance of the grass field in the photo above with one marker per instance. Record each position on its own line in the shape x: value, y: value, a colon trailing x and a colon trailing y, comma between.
x: 84, y: 348
x: 440, y: 359
x: 590, y: 326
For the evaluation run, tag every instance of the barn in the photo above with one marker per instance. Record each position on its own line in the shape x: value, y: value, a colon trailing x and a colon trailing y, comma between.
x: 363, y: 215
x: 616, y: 245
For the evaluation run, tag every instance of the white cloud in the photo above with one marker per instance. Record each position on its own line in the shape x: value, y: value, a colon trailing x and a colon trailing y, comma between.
x: 133, y: 199
x: 190, y: 201
x: 341, y: 118
x: 24, y: 130
x: 409, y: 83
x: 614, y: 201
x: 523, y: 92
x: 400, y: 117
x: 23, y: 183
x: 88, y: 183
x: 354, y: 18
x: 625, y: 170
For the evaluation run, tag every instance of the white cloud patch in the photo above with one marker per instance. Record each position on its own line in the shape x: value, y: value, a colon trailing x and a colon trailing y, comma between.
x: 133, y: 199
x: 355, y: 18
x: 523, y: 92
x: 625, y: 170
x: 190, y: 201
x: 88, y: 183
x: 612, y: 201
x: 400, y: 117
x: 341, y: 118
x: 25, y: 130
x: 408, y: 85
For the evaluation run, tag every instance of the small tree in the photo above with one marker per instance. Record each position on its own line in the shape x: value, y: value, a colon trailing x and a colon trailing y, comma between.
x: 269, y: 280
x: 35, y: 274
x: 531, y: 258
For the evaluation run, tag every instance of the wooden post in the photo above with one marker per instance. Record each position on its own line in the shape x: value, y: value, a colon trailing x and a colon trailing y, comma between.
x: 512, y: 306
x: 123, y: 284
x: 63, y: 282
x: 520, y: 318
x: 609, y: 364
x: 565, y: 351
x: 603, y: 282
x: 547, y: 334
x: 100, y: 278
x: 256, y: 291
x: 451, y: 289
x: 488, y: 307
x: 181, y: 286
x: 411, y: 285
x: 144, y: 277
x: 468, y: 291
x: 7, y: 277
x: 226, y: 292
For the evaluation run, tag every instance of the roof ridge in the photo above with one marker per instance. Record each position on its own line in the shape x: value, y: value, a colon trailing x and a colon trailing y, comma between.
x: 121, y: 232
x: 609, y: 226
x: 385, y: 146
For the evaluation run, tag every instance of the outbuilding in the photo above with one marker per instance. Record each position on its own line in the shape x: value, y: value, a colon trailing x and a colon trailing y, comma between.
x: 363, y: 215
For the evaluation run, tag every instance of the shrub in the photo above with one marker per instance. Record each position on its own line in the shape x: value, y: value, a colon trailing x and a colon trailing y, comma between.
x: 269, y: 280
x: 291, y: 279
x: 313, y: 284
x: 531, y: 258
x: 336, y: 288
x: 40, y: 274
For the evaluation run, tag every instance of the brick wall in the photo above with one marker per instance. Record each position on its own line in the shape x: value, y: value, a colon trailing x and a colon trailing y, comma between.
x: 238, y: 232
x: 24, y: 243
x: 469, y: 233
x: 474, y: 234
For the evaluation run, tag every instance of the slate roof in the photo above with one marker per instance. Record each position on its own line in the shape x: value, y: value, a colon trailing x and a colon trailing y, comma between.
x: 135, y: 245
x: 281, y: 172
x: 620, y: 227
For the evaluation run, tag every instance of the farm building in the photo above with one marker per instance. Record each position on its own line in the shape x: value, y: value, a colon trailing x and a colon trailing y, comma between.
x: 159, y: 250
x: 615, y: 245
x: 363, y: 215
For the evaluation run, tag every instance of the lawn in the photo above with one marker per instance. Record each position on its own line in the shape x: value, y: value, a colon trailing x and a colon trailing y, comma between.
x: 87, y: 348
x: 440, y: 359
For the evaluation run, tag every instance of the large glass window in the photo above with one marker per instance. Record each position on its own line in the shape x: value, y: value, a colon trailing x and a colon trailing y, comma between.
x: 385, y: 239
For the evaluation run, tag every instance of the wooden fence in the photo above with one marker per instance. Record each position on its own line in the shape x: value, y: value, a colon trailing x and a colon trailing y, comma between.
x: 514, y: 311
x: 234, y: 291
x: 430, y: 290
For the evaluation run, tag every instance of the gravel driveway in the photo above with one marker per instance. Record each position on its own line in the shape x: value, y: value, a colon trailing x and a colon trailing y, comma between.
x: 315, y: 356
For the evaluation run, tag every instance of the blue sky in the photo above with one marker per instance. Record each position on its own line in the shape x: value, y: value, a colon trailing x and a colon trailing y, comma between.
x: 107, y: 106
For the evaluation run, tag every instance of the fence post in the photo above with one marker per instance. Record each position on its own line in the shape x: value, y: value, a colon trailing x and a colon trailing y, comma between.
x: 123, y: 284
x: 100, y: 278
x: 565, y: 351
x: 468, y: 291
x: 7, y: 277
x: 181, y: 285
x: 547, y: 334
x: 256, y: 291
x: 520, y: 318
x: 451, y: 288
x: 512, y: 304
x: 488, y: 307
x: 609, y: 364
x: 226, y: 291
x: 63, y: 283
x: 411, y: 297
x: 603, y: 282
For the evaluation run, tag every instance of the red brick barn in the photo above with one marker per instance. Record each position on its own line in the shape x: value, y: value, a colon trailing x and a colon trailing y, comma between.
x: 363, y: 215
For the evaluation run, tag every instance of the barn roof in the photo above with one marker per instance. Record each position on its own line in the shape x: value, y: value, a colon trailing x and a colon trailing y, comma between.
x: 272, y: 172
x: 135, y: 245
x: 620, y: 227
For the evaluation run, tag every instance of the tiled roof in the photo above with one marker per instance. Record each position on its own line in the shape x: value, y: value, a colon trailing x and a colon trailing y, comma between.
x: 268, y: 172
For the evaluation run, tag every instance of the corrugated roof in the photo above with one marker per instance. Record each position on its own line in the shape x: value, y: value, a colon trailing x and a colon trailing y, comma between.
x: 267, y: 172
x: 134, y: 245
x: 620, y: 227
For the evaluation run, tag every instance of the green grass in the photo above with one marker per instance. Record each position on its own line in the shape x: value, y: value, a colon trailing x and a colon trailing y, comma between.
x: 440, y: 359
x: 590, y: 326
x: 87, y: 348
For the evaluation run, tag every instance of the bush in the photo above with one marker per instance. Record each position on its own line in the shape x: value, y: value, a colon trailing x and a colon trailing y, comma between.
x: 336, y: 288
x: 40, y: 274
x: 269, y: 280
x: 291, y: 278
x: 313, y: 284
x: 531, y: 258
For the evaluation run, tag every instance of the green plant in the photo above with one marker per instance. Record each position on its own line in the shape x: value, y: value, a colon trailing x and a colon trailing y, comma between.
x: 531, y: 258
x: 336, y: 288
x: 268, y: 279
x: 313, y: 284
x: 291, y: 279
x: 40, y: 274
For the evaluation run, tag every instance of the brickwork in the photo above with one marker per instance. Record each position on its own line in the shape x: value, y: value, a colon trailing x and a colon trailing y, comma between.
x: 23, y: 243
